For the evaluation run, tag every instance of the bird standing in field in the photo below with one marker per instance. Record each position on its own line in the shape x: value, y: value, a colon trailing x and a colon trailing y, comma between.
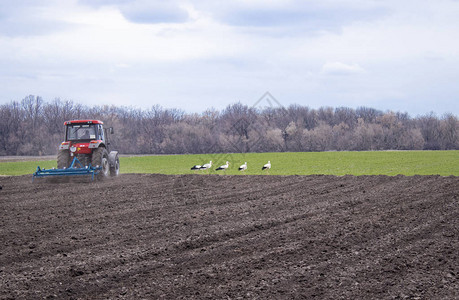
x: 224, y: 167
x: 196, y: 167
x: 243, y: 167
x: 267, y: 167
x: 206, y: 166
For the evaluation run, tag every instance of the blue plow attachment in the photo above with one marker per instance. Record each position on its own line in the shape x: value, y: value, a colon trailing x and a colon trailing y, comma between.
x: 76, y: 168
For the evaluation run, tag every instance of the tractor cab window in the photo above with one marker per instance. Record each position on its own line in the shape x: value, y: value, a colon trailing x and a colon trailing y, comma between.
x: 101, y: 132
x: 81, y: 132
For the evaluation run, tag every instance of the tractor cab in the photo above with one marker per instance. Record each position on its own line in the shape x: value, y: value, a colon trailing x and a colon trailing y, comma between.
x: 84, y: 132
x: 83, y: 136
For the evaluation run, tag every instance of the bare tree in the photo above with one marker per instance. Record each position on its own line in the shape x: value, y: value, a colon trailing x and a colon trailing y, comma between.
x: 430, y: 129
x: 449, y: 131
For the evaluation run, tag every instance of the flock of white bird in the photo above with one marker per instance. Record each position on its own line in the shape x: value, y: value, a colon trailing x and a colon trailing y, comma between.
x: 224, y: 167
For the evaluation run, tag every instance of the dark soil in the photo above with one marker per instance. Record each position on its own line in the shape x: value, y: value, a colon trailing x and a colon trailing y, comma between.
x: 230, y: 237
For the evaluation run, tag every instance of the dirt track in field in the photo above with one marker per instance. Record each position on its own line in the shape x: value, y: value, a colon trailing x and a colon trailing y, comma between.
x: 230, y: 237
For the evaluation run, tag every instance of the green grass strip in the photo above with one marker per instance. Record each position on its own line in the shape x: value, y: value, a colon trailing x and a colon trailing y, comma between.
x: 391, y: 163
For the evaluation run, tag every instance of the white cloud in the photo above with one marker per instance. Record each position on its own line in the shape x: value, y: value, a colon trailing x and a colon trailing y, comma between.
x: 292, y: 17
x: 28, y: 18
x: 146, y: 11
x: 155, y: 12
x: 339, y: 68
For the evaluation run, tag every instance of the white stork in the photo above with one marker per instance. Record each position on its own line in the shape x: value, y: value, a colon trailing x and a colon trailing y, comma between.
x: 267, y: 166
x: 206, y: 166
x: 196, y: 167
x: 224, y: 167
x: 243, y: 167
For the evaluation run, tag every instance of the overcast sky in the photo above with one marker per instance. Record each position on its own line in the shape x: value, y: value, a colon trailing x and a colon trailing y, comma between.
x: 400, y: 55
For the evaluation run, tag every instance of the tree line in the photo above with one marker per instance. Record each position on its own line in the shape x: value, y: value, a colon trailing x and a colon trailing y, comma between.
x: 33, y: 126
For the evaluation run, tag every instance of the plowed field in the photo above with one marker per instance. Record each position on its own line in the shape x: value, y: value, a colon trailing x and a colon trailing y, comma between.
x: 230, y: 237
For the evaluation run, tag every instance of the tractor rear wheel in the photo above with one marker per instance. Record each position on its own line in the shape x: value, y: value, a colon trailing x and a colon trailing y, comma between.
x: 63, y: 159
x: 100, y: 158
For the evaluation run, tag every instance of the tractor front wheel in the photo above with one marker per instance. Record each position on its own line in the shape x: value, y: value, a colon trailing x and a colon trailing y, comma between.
x: 63, y: 159
x: 100, y: 159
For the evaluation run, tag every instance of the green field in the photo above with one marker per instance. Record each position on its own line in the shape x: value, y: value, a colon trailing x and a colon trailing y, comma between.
x: 443, y: 163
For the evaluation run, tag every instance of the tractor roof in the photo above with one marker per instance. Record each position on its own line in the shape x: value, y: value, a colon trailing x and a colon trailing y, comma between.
x: 83, y: 122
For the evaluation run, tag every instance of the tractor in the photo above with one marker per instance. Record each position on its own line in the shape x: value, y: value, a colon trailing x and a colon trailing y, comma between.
x: 85, y: 151
x: 88, y: 141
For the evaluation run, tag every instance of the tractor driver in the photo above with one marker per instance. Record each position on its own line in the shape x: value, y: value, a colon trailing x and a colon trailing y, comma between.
x: 85, y: 136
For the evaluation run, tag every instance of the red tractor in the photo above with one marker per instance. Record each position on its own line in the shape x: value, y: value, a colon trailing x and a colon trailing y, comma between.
x: 87, y: 141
